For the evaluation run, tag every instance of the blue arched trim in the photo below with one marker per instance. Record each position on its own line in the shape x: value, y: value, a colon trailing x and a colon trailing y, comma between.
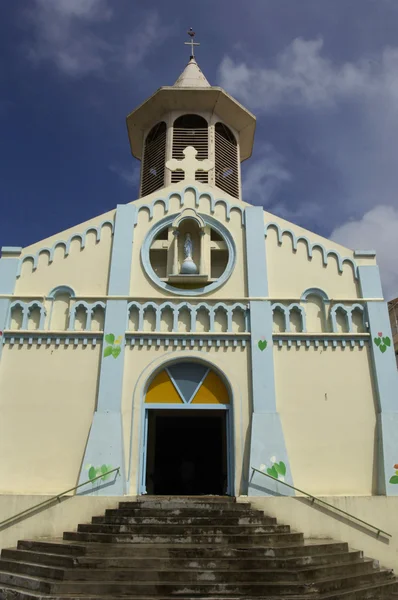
x: 65, y: 243
x: 229, y: 206
x: 314, y: 292
x: 311, y: 246
x: 62, y: 289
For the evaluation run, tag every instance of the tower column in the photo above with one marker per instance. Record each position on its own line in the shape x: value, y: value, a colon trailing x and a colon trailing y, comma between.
x: 267, y: 443
x: 385, y: 377
x: 105, y: 442
x: 8, y: 276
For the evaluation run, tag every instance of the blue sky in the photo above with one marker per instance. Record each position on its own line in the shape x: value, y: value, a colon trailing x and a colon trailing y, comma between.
x: 320, y: 75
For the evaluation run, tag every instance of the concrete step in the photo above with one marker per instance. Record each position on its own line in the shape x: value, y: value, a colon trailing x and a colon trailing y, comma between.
x: 202, y: 505
x: 262, y: 539
x: 148, y: 499
x: 229, y: 575
x: 160, y: 563
x: 184, y: 520
x: 188, y: 551
x: 182, y: 511
x: 254, y: 587
x: 182, y: 530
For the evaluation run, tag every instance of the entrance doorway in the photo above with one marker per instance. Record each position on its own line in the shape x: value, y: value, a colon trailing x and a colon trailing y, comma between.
x: 187, y: 452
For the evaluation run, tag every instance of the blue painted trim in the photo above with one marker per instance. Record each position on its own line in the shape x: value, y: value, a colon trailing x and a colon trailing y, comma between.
x: 311, y: 246
x: 111, y: 373
x: 45, y: 338
x: 186, y: 406
x: 8, y: 271
x: 26, y: 310
x: 229, y: 206
x: 122, y: 250
x: 385, y: 377
x: 324, y: 341
x: 266, y: 430
x: 287, y: 310
x: 89, y: 308
x: 348, y: 312
x: 66, y: 243
x: 61, y: 289
x: 314, y: 292
x: 11, y: 249
x: 193, y: 310
x: 256, y: 260
x: 167, y: 221
x: 367, y: 253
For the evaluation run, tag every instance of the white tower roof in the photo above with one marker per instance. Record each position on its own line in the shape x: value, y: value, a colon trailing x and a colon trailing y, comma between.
x: 192, y: 77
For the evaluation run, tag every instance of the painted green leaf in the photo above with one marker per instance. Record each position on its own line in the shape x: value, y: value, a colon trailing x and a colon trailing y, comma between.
x: 116, y: 350
x: 394, y: 479
x: 104, y: 469
x: 281, y: 468
x: 109, y: 338
x: 107, y: 351
x: 273, y: 472
x: 383, y: 348
x: 262, y: 344
x: 387, y: 341
x: 377, y: 341
x: 92, y: 474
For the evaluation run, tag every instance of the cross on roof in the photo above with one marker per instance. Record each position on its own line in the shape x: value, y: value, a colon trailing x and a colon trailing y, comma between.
x: 189, y: 164
x: 191, y: 34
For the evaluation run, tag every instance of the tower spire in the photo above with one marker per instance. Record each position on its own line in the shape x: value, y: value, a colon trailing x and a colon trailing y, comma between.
x: 191, y: 43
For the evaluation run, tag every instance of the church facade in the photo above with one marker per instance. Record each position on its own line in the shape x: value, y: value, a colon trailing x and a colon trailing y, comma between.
x: 191, y: 340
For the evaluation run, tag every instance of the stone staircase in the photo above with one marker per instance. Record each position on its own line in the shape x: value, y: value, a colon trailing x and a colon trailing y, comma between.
x: 189, y: 548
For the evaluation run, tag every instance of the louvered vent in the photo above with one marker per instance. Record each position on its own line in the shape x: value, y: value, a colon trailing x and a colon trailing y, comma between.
x: 226, y: 154
x: 154, y: 160
x: 190, y: 130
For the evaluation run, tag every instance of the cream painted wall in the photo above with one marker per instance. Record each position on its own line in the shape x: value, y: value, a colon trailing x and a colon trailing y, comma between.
x: 327, y: 407
x: 86, y: 269
x: 291, y: 273
x: 49, y: 522
x: 47, y: 399
x: 321, y: 523
x: 140, y: 364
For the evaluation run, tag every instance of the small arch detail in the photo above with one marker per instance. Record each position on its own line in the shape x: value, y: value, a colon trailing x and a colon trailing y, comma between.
x: 340, y: 260
x: 65, y: 243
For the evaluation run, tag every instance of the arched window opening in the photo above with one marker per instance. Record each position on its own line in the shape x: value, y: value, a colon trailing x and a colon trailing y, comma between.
x: 154, y: 160
x: 226, y: 160
x: 190, y: 130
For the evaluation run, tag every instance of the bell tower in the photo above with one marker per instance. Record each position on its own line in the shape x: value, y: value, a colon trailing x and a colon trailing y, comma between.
x: 191, y: 113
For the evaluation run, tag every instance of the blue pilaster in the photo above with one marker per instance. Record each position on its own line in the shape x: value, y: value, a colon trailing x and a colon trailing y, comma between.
x: 105, y: 443
x: 8, y: 276
x: 385, y: 378
x: 267, y: 447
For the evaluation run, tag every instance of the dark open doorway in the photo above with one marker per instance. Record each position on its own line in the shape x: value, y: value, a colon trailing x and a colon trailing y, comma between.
x: 187, y: 452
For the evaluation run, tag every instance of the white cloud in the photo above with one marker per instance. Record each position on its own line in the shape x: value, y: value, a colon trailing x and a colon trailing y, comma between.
x: 80, y: 37
x: 303, y: 77
x: 130, y: 176
x: 376, y: 230
x: 264, y: 175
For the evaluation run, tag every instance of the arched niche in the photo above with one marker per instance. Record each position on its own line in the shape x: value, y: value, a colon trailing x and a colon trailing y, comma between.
x: 61, y: 300
x: 153, y: 164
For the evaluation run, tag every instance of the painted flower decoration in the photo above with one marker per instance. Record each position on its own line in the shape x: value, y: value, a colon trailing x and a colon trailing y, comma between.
x: 113, y: 348
x: 394, y: 478
x: 382, y: 342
